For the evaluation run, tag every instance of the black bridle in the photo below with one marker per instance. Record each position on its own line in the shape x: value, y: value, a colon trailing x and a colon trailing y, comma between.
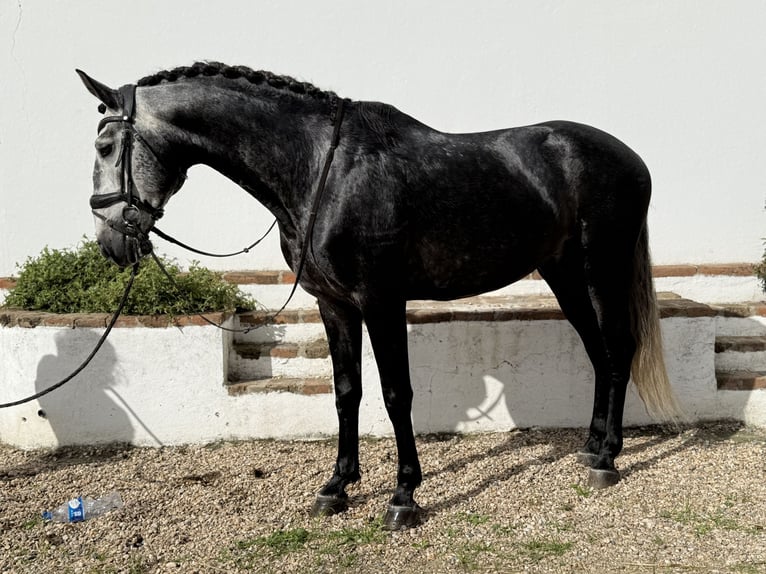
x: 129, y: 225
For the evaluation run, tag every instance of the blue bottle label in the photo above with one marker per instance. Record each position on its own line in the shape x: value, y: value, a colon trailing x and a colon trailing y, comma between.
x: 76, y: 512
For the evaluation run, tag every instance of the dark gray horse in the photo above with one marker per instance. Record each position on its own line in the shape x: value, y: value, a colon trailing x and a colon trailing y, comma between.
x: 407, y: 213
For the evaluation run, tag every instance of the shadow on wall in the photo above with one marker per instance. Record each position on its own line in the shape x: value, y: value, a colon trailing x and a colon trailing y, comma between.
x: 88, y: 409
x: 498, y: 376
x: 476, y: 376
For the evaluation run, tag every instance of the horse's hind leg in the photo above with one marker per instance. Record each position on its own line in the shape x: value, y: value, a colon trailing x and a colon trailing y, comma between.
x: 593, y: 291
x: 343, y: 325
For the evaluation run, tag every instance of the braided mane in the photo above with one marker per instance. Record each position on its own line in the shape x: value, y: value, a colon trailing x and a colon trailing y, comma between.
x: 235, y: 72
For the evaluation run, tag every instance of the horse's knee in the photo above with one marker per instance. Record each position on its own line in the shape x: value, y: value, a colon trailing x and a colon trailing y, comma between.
x: 398, y: 401
x: 348, y: 393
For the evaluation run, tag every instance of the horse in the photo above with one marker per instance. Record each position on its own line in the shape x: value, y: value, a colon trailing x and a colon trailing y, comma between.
x: 403, y: 212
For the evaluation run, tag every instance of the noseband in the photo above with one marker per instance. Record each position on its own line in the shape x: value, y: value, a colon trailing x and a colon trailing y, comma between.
x: 134, y: 205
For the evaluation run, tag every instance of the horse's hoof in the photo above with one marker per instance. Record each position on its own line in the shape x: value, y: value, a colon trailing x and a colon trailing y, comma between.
x: 328, y: 505
x: 602, y: 478
x: 401, y: 517
x: 586, y: 458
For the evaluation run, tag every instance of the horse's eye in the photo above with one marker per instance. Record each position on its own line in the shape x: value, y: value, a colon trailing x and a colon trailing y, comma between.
x: 104, y: 149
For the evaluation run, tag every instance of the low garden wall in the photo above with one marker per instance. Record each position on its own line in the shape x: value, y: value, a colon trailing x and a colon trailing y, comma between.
x: 477, y: 366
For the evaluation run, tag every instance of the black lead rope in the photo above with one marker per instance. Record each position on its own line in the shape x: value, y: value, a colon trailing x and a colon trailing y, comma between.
x: 109, y: 199
x: 89, y: 358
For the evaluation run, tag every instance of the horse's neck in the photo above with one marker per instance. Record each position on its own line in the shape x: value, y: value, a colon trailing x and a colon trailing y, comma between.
x: 271, y: 148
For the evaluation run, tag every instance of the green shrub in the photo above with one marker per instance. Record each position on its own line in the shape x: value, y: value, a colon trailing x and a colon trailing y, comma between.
x: 84, y: 281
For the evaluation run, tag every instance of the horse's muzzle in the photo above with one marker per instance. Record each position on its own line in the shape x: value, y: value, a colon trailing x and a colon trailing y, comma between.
x: 122, y: 249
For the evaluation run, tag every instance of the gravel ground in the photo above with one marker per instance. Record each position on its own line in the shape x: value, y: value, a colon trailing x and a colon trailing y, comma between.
x: 689, y: 501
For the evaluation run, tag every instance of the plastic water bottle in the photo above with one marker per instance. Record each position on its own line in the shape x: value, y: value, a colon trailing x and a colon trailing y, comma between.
x: 79, y: 509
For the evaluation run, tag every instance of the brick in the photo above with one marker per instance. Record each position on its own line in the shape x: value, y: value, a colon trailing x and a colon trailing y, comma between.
x: 255, y: 351
x: 674, y: 270
x: 199, y: 320
x: 419, y: 316
x: 129, y: 322
x: 474, y: 315
x: 317, y: 387
x: 287, y: 277
x: 31, y: 319
x: 741, y: 380
x: 252, y: 277
x: 684, y: 308
x: 318, y: 349
x: 751, y: 344
x: 284, y: 351
x: 727, y: 269
x: 310, y: 386
x: 264, y: 277
x: 310, y: 316
x: 740, y: 310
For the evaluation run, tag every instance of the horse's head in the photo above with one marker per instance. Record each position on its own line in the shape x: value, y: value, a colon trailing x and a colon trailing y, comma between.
x: 135, y: 172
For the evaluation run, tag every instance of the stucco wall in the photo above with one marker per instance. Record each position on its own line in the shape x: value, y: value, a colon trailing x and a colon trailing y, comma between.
x: 467, y: 377
x: 682, y: 82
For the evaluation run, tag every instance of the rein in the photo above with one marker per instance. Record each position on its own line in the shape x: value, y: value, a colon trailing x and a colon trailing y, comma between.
x: 130, y: 229
x: 306, y: 241
x: 247, y: 249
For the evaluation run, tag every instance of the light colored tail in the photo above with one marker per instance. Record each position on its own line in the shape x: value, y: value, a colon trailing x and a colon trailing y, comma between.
x: 648, y: 369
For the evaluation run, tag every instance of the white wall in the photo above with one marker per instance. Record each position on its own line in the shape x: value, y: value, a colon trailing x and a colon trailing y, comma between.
x: 467, y: 377
x: 682, y: 82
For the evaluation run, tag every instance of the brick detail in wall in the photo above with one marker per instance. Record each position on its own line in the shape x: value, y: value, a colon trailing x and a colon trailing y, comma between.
x: 307, y: 386
x: 512, y: 308
x: 32, y: 319
x: 713, y: 269
x: 281, y: 277
x: 741, y: 381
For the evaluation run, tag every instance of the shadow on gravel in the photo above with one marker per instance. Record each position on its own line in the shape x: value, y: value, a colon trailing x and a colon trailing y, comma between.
x: 561, y: 444
x: 653, y: 437
x: 565, y: 442
x: 67, y: 456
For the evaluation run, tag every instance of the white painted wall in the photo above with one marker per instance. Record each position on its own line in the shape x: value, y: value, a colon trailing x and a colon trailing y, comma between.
x: 467, y: 377
x: 681, y: 81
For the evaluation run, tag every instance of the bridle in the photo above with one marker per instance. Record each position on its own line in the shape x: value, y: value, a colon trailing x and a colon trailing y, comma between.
x: 128, y: 226
x: 134, y: 206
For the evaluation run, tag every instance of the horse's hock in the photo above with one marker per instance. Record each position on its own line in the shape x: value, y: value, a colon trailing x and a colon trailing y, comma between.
x: 489, y: 363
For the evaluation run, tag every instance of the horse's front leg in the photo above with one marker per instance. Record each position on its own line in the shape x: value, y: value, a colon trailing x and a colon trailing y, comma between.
x: 343, y: 325
x: 387, y: 326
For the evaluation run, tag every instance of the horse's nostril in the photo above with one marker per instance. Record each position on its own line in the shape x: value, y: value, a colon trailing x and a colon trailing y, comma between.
x: 131, y: 214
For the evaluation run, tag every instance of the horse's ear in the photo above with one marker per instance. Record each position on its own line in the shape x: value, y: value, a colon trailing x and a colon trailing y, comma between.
x: 104, y: 93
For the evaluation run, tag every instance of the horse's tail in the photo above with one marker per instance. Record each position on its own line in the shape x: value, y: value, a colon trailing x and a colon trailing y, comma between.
x: 648, y: 369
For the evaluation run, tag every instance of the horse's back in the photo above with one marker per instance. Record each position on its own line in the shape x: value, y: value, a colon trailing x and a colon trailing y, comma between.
x: 453, y: 215
x: 489, y: 208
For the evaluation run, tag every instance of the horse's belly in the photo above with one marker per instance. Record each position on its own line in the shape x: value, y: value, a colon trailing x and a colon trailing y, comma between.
x: 446, y: 273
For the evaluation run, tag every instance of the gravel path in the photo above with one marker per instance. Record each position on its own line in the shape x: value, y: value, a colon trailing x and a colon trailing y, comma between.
x: 693, y: 501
